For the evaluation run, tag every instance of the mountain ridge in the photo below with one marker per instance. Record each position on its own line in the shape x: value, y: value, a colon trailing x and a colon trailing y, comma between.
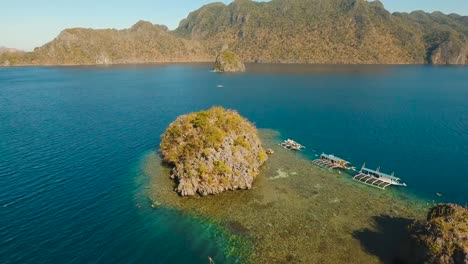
x: 279, y: 31
x: 8, y: 50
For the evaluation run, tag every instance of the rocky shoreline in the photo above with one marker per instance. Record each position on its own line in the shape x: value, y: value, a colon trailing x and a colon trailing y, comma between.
x: 443, y: 237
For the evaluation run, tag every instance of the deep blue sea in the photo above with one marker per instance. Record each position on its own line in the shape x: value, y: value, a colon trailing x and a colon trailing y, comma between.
x: 72, y: 140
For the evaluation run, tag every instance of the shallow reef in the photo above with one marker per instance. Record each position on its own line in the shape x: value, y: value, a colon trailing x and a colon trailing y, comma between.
x: 298, y: 213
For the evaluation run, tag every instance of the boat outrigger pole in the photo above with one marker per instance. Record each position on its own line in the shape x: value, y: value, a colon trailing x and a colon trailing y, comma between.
x: 377, y: 179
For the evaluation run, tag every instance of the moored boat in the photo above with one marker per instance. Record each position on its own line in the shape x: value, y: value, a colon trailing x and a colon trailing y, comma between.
x: 376, y: 178
x: 332, y: 162
x: 291, y: 145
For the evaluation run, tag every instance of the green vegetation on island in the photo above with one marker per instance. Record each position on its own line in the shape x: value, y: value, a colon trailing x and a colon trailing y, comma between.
x: 331, y: 31
x: 286, y: 31
x: 144, y: 42
x: 212, y: 151
x: 443, y: 237
x: 228, y: 61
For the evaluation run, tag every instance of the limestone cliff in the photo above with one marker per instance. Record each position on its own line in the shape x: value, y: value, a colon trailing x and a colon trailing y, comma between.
x: 448, y: 52
x: 331, y: 31
x: 212, y: 151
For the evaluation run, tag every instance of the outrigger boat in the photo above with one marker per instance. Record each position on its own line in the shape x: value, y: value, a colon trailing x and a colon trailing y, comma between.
x: 330, y: 162
x: 291, y: 145
x: 376, y: 178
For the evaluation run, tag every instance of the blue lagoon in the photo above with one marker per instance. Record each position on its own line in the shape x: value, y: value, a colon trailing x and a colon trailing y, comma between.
x: 79, y: 169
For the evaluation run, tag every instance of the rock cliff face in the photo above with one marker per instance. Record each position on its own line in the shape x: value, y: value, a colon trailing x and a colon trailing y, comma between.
x: 445, y: 37
x: 448, y: 52
x: 443, y: 238
x: 228, y: 61
x: 212, y: 151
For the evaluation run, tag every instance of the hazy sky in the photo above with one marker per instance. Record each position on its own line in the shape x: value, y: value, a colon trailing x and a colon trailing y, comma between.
x: 26, y: 24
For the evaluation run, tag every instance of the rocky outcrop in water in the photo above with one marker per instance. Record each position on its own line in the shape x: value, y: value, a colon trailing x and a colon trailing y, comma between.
x: 212, y: 151
x: 228, y: 61
x: 443, y: 237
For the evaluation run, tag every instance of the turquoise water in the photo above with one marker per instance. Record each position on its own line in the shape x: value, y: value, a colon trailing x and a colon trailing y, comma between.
x: 72, y: 140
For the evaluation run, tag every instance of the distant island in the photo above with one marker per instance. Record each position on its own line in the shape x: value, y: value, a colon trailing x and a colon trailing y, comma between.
x: 294, y: 31
x: 212, y: 151
x: 8, y: 50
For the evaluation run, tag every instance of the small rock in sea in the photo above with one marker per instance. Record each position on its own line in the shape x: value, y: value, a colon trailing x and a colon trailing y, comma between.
x: 439, y: 194
x: 270, y: 151
x: 228, y: 61
x: 211, y: 260
x: 212, y: 151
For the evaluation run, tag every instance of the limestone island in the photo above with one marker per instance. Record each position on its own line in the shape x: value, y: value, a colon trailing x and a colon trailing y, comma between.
x: 228, y: 61
x: 212, y: 151
x: 443, y: 237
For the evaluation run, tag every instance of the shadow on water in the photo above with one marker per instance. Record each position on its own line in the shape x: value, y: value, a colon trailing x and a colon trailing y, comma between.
x: 318, y: 69
x: 389, y: 241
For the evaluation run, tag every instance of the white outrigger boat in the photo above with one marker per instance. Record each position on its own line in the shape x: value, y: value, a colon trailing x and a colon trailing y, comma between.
x: 291, y: 145
x: 331, y: 162
x: 376, y: 178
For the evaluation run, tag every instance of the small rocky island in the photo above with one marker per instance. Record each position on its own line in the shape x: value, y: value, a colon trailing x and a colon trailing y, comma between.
x: 443, y: 237
x: 212, y: 151
x: 228, y: 61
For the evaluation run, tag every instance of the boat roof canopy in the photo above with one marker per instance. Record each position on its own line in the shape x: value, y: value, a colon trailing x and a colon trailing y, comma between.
x: 334, y: 158
x: 380, y: 173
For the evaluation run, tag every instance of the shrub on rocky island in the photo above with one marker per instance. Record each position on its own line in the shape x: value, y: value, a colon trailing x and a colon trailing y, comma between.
x: 212, y: 151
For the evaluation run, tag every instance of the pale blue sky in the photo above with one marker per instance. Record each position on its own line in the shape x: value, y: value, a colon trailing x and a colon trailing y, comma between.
x: 26, y: 24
